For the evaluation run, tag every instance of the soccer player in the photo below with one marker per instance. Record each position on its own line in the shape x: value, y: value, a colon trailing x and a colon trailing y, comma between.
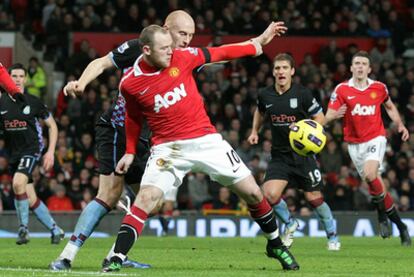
x: 23, y: 136
x: 359, y: 101
x: 284, y: 104
x: 110, y: 126
x: 160, y: 88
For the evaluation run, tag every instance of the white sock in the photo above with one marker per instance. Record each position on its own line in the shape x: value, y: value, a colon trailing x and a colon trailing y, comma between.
x: 272, y: 235
x: 111, y: 252
x: 69, y: 252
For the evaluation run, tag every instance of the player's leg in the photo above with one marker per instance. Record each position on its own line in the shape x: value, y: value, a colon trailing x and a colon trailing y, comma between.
x: 22, y: 173
x: 133, y: 179
x: 218, y: 159
x: 161, y: 174
x: 43, y: 215
x: 109, y: 146
x: 265, y: 217
x: 276, y: 180
x: 21, y: 203
x: 308, y: 175
x: 393, y: 215
x: 324, y: 214
x: 167, y: 209
x: 110, y: 189
x: 376, y: 190
x: 133, y: 223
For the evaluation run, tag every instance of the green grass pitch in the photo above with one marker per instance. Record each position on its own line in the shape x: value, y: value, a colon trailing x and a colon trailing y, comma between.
x: 171, y: 256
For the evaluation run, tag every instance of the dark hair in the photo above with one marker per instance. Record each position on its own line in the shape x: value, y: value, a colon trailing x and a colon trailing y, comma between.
x: 363, y: 54
x: 285, y: 57
x: 17, y: 66
x: 147, y: 34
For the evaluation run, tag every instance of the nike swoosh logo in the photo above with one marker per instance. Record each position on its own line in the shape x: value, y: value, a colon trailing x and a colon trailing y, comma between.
x: 144, y: 91
x: 351, y: 97
x: 235, y: 170
x: 4, y: 112
x: 268, y: 106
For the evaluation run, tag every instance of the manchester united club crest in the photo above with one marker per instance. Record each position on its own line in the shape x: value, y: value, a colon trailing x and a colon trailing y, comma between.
x: 174, y: 72
x: 293, y: 103
x: 160, y: 162
x: 373, y: 95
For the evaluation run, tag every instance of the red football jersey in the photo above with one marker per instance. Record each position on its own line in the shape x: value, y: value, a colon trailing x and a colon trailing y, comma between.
x: 169, y: 98
x: 362, y: 120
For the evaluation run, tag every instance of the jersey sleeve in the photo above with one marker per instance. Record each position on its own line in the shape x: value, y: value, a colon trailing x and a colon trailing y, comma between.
x: 125, y: 55
x: 385, y: 94
x: 336, y: 100
x: 133, y: 122
x: 193, y: 57
x: 311, y: 105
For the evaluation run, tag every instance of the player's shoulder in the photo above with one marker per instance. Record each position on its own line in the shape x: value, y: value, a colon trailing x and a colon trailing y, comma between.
x: 266, y: 91
x: 378, y: 85
x: 342, y: 86
x: 300, y: 89
x: 188, y: 51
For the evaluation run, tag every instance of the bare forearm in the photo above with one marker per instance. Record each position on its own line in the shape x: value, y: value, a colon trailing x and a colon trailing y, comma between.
x: 257, y: 121
x: 329, y: 116
x: 94, y: 69
x: 394, y: 115
x: 53, y: 134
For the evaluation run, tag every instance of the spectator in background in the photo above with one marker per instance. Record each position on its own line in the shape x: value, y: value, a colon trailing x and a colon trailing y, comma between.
x: 331, y: 158
x: 59, y: 201
x: 198, y: 190
x: 36, y: 79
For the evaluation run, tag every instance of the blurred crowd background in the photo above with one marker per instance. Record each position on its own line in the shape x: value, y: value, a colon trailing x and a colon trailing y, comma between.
x: 229, y: 90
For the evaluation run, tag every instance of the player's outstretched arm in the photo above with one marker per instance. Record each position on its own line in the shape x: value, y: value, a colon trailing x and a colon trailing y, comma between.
x: 91, y: 72
x: 252, y: 47
x: 319, y: 117
x: 49, y: 156
x: 332, y: 114
x: 6, y: 82
x: 396, y: 118
x: 257, y: 123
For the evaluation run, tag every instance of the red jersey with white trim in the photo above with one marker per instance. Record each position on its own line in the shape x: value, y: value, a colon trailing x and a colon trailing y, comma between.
x: 168, y: 99
x: 362, y: 120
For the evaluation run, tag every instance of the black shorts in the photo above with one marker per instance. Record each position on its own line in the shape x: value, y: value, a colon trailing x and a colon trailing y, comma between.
x: 24, y: 164
x: 301, y: 172
x: 111, y: 144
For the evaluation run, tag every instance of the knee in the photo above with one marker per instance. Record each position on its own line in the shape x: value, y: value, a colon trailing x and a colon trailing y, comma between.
x: 19, y: 187
x: 149, y: 196
x: 254, y: 197
x: 110, y: 193
x: 370, y: 176
x: 272, y: 196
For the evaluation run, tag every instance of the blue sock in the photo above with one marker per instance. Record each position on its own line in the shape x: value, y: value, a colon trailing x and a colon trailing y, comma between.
x: 43, y: 215
x: 22, y: 209
x: 88, y: 220
x: 325, y: 217
x: 282, y: 211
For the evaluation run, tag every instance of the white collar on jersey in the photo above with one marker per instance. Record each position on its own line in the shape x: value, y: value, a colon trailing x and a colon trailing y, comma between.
x: 138, y: 71
x: 351, y: 83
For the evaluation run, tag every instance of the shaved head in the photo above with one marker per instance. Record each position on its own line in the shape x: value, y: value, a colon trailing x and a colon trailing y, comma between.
x: 181, y: 26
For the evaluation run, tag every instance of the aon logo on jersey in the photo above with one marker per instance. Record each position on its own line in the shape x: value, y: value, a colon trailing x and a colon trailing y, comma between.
x: 363, y: 110
x: 169, y: 99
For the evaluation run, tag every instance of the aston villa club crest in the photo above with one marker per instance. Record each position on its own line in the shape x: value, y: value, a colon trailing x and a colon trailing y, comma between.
x: 293, y: 103
x: 26, y: 110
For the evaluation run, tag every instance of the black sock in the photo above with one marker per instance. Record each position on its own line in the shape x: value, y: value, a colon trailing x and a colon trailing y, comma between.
x: 378, y: 201
x: 127, y: 235
x: 268, y: 225
x: 395, y: 217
